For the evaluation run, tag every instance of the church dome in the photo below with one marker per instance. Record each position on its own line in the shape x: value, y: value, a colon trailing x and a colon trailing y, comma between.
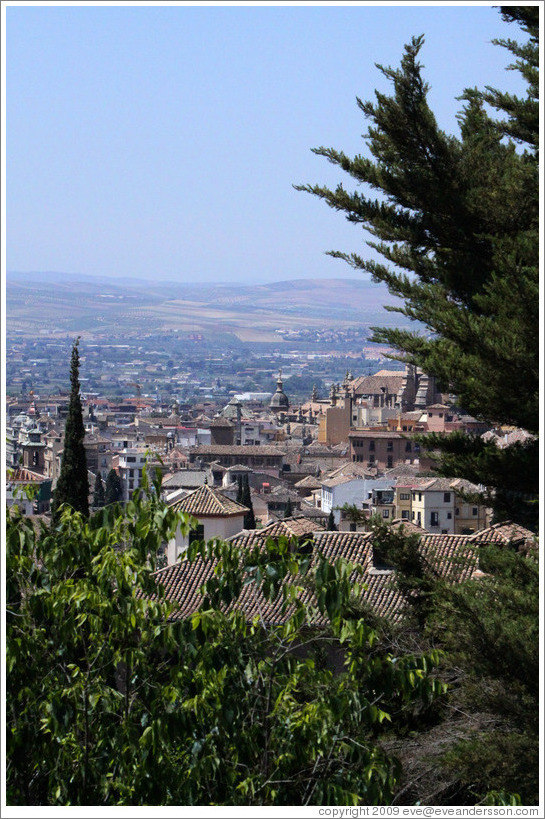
x: 280, y: 400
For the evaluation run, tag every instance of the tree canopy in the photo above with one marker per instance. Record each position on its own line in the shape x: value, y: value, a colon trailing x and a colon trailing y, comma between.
x: 112, y: 700
x: 456, y: 220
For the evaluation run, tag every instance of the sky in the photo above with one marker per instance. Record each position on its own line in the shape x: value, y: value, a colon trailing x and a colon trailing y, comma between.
x: 162, y: 142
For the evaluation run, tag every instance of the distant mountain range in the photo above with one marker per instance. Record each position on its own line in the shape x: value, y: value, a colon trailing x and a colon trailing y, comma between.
x: 51, y: 303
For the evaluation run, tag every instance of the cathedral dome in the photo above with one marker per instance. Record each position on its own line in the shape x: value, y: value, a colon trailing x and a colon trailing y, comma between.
x: 280, y: 400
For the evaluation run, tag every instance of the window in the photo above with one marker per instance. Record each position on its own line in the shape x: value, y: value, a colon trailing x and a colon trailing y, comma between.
x: 131, y: 459
x: 404, y: 496
x: 417, y: 447
x: 434, y: 519
x: 390, y: 446
x: 352, y: 527
x: 408, y: 447
x: 390, y: 461
x: 449, y: 515
x: 385, y: 513
x: 420, y: 496
x: 371, y: 446
x: 405, y: 514
x: 457, y: 511
x: 474, y: 511
x: 371, y: 459
x: 446, y: 497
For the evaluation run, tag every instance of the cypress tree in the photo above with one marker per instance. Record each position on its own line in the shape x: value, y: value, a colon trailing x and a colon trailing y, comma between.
x: 73, y: 483
x: 249, y: 517
x: 331, y: 526
x: 98, y: 494
x: 457, y: 222
x: 239, y: 490
x: 114, y: 489
x: 289, y: 509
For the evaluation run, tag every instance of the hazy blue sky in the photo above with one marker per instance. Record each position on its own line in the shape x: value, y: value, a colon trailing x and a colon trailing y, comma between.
x: 163, y: 142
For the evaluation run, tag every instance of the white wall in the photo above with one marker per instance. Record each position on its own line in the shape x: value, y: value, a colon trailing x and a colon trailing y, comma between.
x: 352, y: 492
x: 213, y: 527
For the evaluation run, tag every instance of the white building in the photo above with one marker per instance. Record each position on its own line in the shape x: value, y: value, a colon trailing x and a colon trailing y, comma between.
x: 353, y: 490
x: 217, y: 517
x: 131, y: 465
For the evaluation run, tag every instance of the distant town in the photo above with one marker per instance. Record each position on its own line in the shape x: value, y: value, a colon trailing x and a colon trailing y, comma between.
x: 324, y: 427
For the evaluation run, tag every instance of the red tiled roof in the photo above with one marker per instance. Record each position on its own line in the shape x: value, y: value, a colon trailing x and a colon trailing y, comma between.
x: 504, y: 533
x: 453, y: 557
x: 207, y: 502
x: 182, y: 581
x: 298, y: 526
x: 225, y: 449
x: 371, y: 384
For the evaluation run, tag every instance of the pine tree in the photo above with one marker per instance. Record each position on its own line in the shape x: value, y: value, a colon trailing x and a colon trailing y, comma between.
x: 114, y: 489
x: 73, y: 483
x: 331, y: 526
x: 457, y: 218
x: 249, y: 517
x: 98, y: 494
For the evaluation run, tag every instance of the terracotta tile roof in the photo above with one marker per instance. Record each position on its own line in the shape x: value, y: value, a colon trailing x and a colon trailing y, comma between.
x: 505, y: 533
x: 309, y: 482
x: 379, y: 433
x: 311, y: 511
x: 184, y: 478
x: 371, y: 384
x: 207, y: 502
x: 383, y: 595
x: 453, y: 557
x: 182, y: 581
x: 408, y: 526
x: 351, y: 470
x: 297, y: 526
x: 340, y: 479
x: 402, y: 471
x: 222, y: 422
x: 225, y: 449
x: 23, y: 474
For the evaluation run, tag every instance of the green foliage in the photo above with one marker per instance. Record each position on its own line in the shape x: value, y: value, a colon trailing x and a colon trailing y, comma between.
x: 111, y: 701
x: 73, y: 484
x: 331, y: 527
x: 482, y: 743
x: 85, y: 663
x: 456, y: 218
